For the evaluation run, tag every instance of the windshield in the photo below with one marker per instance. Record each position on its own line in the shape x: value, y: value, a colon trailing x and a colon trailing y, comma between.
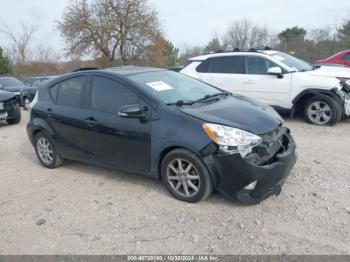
x: 10, y: 81
x: 37, y: 82
x: 291, y: 61
x: 171, y: 87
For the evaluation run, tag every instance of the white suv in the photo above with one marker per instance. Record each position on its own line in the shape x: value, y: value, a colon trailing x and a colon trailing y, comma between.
x: 288, y: 84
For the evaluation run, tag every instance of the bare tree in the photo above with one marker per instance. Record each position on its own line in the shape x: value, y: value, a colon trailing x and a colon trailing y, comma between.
x: 244, y: 34
x: 321, y: 34
x: 109, y: 28
x: 45, y: 54
x: 20, y: 40
x: 188, y: 52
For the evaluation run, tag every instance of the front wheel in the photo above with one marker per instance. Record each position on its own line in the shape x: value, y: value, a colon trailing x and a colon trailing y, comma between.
x: 322, y: 110
x: 185, y: 176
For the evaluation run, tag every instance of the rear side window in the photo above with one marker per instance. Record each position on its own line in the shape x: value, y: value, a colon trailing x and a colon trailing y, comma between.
x: 70, y: 91
x: 222, y: 65
x: 109, y: 95
x: 346, y: 57
x: 256, y: 65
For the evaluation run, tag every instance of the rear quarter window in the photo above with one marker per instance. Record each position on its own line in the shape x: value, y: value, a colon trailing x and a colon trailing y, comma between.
x: 53, y: 92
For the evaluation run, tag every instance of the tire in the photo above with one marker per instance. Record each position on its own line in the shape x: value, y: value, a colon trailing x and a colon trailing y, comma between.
x: 340, y: 111
x: 322, y: 110
x: 26, y: 103
x: 16, y: 118
x: 197, y: 175
x: 54, y: 160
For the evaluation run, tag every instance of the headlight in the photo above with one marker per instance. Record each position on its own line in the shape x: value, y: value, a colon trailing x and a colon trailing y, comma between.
x: 232, y: 139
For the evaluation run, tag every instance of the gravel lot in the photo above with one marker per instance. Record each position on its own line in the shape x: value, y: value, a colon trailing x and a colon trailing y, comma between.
x: 91, y: 210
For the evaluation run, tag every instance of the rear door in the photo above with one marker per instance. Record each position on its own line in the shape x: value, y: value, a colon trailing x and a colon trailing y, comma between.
x: 117, y: 141
x: 258, y: 84
x: 67, y: 114
x: 224, y: 72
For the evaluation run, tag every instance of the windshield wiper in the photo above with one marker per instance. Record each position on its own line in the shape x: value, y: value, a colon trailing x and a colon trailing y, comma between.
x: 212, y: 96
x: 204, y: 99
x: 181, y: 103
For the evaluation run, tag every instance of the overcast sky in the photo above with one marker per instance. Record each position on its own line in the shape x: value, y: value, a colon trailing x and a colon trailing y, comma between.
x: 190, y: 22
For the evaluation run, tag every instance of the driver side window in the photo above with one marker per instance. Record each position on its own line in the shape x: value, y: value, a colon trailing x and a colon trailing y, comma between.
x: 109, y: 96
x: 256, y: 65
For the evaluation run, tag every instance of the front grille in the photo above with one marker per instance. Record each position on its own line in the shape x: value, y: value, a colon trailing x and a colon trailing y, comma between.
x: 272, y: 144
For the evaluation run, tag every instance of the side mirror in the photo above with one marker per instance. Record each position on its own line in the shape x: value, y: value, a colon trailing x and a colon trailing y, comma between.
x: 131, y: 111
x: 277, y: 71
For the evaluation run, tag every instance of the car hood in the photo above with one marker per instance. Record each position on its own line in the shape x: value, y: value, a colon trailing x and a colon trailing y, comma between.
x: 4, y: 95
x: 239, y: 112
x: 14, y: 88
x: 30, y: 89
x: 332, y: 71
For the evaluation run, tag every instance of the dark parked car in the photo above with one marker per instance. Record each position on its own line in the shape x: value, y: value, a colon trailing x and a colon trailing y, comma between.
x: 11, y: 84
x: 9, y: 107
x: 167, y: 126
x: 32, y: 85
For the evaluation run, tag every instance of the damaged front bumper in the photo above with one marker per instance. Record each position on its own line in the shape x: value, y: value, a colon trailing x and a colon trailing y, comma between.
x: 347, y: 106
x: 345, y: 96
x: 233, y: 174
x: 9, y: 109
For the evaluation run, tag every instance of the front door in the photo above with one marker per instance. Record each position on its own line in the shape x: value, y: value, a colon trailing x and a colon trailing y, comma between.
x: 269, y: 89
x: 117, y: 141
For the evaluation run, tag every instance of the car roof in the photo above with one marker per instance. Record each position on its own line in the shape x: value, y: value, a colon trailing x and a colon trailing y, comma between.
x: 130, y: 70
x: 8, y: 77
x: 234, y: 53
x: 40, y: 77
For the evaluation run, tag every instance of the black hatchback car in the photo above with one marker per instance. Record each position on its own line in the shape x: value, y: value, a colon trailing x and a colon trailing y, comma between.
x: 192, y: 136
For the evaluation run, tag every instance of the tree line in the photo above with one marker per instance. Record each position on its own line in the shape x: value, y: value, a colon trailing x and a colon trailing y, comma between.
x: 108, y: 33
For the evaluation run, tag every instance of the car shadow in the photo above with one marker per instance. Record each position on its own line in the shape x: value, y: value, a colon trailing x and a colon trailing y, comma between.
x: 109, y: 174
x: 3, y: 124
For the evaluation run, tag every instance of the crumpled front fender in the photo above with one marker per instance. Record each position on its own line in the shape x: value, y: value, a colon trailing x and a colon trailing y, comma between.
x: 4, y: 95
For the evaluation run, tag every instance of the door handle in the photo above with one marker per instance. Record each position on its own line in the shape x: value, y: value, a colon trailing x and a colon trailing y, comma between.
x: 248, y: 82
x: 49, y: 112
x: 91, y: 122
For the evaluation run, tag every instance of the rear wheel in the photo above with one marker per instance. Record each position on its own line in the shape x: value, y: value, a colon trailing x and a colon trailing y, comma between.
x: 322, y: 110
x: 185, y: 176
x: 46, y: 151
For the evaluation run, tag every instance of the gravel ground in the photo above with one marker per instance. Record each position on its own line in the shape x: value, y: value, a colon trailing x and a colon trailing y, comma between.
x: 81, y: 209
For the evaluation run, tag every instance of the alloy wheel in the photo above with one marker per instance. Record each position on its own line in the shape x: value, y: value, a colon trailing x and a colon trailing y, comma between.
x: 45, y: 151
x: 183, y: 177
x: 319, y: 112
